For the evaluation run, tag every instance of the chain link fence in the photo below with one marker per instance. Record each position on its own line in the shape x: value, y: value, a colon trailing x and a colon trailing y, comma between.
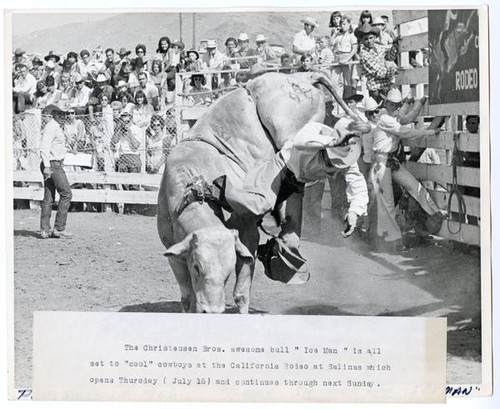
x: 104, y: 142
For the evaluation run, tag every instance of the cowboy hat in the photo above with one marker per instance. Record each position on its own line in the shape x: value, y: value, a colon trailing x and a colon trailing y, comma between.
x: 179, y: 44
x: 101, y: 78
x: 122, y: 83
x: 211, y: 44
x: 350, y: 93
x: 394, y: 95
x: 344, y: 156
x: 122, y: 52
x: 370, y: 105
x: 194, y: 52
x: 19, y: 51
x: 243, y: 37
x: 282, y: 262
x: 50, y: 55
x: 260, y: 38
x: 311, y: 21
x: 52, y: 108
x: 36, y: 61
x: 366, y: 29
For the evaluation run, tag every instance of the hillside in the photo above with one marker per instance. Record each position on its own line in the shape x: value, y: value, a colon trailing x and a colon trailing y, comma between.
x: 128, y: 29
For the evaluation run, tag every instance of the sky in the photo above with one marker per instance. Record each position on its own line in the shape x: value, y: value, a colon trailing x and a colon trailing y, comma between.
x: 25, y: 23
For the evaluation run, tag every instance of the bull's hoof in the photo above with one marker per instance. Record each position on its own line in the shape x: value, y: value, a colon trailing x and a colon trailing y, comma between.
x: 242, y: 303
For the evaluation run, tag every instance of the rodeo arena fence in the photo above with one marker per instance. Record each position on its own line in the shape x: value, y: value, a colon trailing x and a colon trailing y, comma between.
x: 99, y: 173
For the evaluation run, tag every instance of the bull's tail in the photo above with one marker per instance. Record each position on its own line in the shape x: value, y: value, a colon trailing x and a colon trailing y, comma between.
x: 321, y: 78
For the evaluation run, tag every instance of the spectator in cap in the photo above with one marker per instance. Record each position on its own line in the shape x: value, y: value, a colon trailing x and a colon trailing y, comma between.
x: 81, y: 97
x: 384, y: 38
x: 24, y: 89
x: 101, y: 87
x: 379, y: 73
x: 51, y: 71
x: 304, y: 41
x: 126, y: 142
x: 123, y: 58
x: 213, y: 59
x: 52, y: 153
x: 20, y: 58
x: 245, y: 51
x: 52, y: 56
x: 37, y: 68
x: 193, y: 62
x: 264, y: 51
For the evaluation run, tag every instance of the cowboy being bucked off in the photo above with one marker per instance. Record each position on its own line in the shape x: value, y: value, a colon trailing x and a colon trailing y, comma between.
x: 317, y: 151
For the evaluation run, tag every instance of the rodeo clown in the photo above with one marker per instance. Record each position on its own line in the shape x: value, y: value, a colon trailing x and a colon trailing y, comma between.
x: 316, y: 152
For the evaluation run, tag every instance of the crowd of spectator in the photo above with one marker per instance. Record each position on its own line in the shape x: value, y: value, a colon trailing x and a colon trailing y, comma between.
x: 124, y: 92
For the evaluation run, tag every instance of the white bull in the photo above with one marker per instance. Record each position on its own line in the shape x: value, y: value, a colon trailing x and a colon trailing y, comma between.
x: 240, y: 130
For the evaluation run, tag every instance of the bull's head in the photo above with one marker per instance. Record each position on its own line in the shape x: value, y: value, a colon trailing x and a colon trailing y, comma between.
x: 211, y: 256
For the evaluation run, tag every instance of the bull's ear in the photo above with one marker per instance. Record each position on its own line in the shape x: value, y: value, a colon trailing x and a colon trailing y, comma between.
x: 179, y: 249
x: 241, y: 249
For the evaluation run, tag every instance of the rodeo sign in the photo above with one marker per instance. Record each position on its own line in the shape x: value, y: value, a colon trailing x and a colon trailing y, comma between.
x: 454, y: 61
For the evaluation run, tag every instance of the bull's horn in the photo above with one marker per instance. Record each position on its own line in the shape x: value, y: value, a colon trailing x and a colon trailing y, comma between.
x: 325, y: 81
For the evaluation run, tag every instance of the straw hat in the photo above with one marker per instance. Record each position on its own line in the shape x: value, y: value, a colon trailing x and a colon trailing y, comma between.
x: 311, y: 21
x: 370, y: 105
x: 260, y: 38
x: 101, y: 78
x: 211, y: 44
x: 394, y: 95
x: 243, y: 37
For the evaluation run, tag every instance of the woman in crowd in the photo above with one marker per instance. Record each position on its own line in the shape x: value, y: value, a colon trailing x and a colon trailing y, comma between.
x: 162, y: 51
x: 72, y: 63
x: 159, y: 78
x: 232, y: 51
x: 140, y: 52
x: 74, y: 130
x: 53, y: 94
x: 365, y: 18
x: 197, y: 83
x: 66, y: 87
x: 143, y: 111
x: 41, y: 95
x: 158, y: 145
x: 126, y: 99
x: 84, y: 65
x: 334, y: 24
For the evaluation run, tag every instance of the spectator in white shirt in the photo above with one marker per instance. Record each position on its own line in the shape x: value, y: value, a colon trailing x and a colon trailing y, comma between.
x: 213, y: 59
x: 303, y: 41
x: 149, y: 89
x: 24, y: 89
x: 82, y: 95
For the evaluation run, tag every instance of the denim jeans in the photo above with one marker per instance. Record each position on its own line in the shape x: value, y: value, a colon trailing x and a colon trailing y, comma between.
x: 57, y: 181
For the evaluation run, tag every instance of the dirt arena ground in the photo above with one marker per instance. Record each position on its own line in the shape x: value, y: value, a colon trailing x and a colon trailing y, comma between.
x: 116, y: 263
